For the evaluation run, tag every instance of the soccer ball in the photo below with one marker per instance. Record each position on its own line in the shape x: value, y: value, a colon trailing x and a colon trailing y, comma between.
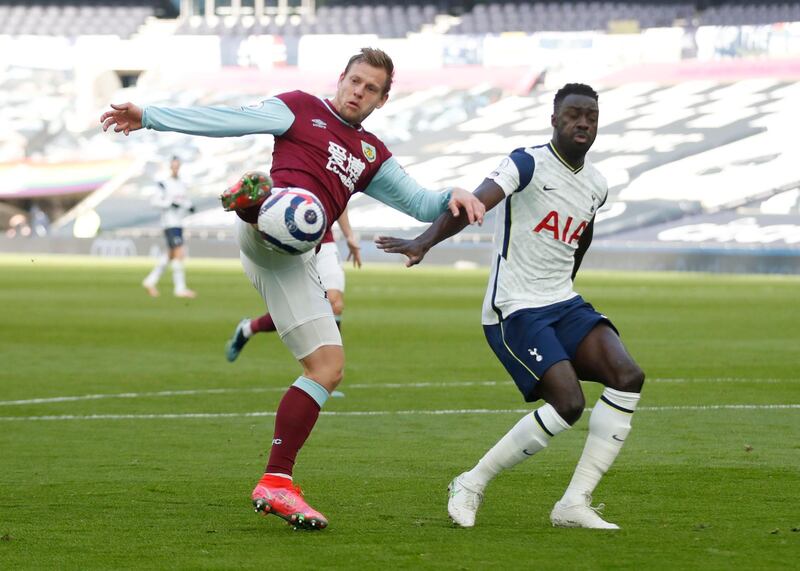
x: 292, y: 221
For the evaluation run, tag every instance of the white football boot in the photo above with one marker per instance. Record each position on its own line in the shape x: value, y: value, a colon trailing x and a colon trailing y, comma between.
x: 580, y: 515
x: 463, y: 501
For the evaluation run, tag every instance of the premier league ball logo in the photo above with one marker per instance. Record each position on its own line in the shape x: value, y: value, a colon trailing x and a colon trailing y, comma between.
x: 292, y: 221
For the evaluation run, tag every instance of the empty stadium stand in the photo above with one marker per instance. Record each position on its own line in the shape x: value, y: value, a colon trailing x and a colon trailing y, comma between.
x: 78, y: 18
x: 390, y: 20
x: 496, y: 18
x: 700, y: 160
x: 750, y: 13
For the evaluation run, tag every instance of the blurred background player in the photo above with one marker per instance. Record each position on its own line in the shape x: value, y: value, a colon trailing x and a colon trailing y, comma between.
x: 329, y: 265
x: 321, y: 147
x: 543, y: 332
x: 172, y: 198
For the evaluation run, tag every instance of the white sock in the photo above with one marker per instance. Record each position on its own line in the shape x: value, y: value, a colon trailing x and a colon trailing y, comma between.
x: 155, y: 274
x: 526, y: 438
x: 609, y: 426
x: 178, y: 276
x: 247, y: 331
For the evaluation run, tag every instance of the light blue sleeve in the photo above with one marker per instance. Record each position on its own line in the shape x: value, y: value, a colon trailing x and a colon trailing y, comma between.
x: 271, y: 116
x: 394, y: 187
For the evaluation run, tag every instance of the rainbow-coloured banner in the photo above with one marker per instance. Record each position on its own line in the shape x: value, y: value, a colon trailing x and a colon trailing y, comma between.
x: 34, y: 179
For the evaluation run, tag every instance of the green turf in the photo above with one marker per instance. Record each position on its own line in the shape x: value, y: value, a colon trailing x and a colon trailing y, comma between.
x: 697, y: 488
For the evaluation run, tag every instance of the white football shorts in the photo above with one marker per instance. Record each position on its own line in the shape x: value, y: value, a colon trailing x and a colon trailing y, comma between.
x: 292, y: 289
x: 329, y: 266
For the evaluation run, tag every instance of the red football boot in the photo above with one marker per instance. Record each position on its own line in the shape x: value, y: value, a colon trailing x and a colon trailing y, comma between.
x: 276, y: 495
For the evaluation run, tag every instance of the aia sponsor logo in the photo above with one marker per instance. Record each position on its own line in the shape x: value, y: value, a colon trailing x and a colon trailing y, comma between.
x: 552, y: 224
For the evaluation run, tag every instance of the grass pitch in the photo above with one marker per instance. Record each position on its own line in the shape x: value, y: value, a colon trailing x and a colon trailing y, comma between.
x: 151, y: 465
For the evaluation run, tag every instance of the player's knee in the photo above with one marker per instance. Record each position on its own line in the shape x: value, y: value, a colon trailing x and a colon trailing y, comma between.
x: 332, y: 382
x: 335, y: 377
x: 570, y: 406
x: 630, y: 380
x: 328, y: 376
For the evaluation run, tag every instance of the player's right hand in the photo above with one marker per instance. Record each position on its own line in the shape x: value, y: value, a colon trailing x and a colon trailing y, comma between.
x: 411, y: 249
x: 125, y: 117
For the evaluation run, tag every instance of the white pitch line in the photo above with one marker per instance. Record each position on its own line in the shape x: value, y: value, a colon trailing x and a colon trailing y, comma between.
x: 191, y: 392
x: 722, y: 380
x: 444, y: 412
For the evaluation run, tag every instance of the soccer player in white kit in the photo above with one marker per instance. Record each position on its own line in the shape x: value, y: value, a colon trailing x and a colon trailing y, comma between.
x: 543, y: 332
x: 172, y: 198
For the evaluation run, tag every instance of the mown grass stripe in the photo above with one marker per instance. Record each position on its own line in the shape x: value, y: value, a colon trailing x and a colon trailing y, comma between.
x: 355, y: 413
x: 358, y: 386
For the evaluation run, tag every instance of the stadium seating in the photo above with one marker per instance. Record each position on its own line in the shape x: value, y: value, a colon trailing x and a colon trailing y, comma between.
x: 651, y: 134
x: 390, y: 20
x: 386, y: 20
x: 398, y: 20
x: 751, y: 13
x: 495, y: 18
x: 646, y: 127
x: 72, y: 20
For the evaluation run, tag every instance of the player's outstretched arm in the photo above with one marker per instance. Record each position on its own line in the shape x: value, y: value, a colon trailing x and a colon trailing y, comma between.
x: 125, y: 117
x: 488, y: 194
x: 271, y: 116
x: 393, y: 186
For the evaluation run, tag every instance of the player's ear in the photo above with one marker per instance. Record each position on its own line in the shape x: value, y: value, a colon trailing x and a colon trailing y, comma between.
x: 382, y: 101
x: 553, y: 120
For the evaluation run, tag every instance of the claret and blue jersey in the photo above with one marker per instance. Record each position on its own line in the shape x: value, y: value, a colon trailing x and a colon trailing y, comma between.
x: 315, y: 149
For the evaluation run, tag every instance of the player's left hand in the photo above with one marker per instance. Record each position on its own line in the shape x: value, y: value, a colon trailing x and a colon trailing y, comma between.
x: 474, y: 208
x: 411, y: 249
x: 355, y: 251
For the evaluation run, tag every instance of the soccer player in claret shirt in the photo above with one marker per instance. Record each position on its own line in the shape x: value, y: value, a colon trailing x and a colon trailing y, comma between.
x: 329, y: 266
x: 543, y: 332
x: 320, y: 146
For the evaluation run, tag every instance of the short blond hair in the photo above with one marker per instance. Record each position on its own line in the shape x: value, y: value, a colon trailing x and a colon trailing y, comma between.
x: 375, y: 58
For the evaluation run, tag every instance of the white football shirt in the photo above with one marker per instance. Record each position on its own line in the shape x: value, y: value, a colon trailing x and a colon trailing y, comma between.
x: 548, y: 205
x: 172, y: 191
